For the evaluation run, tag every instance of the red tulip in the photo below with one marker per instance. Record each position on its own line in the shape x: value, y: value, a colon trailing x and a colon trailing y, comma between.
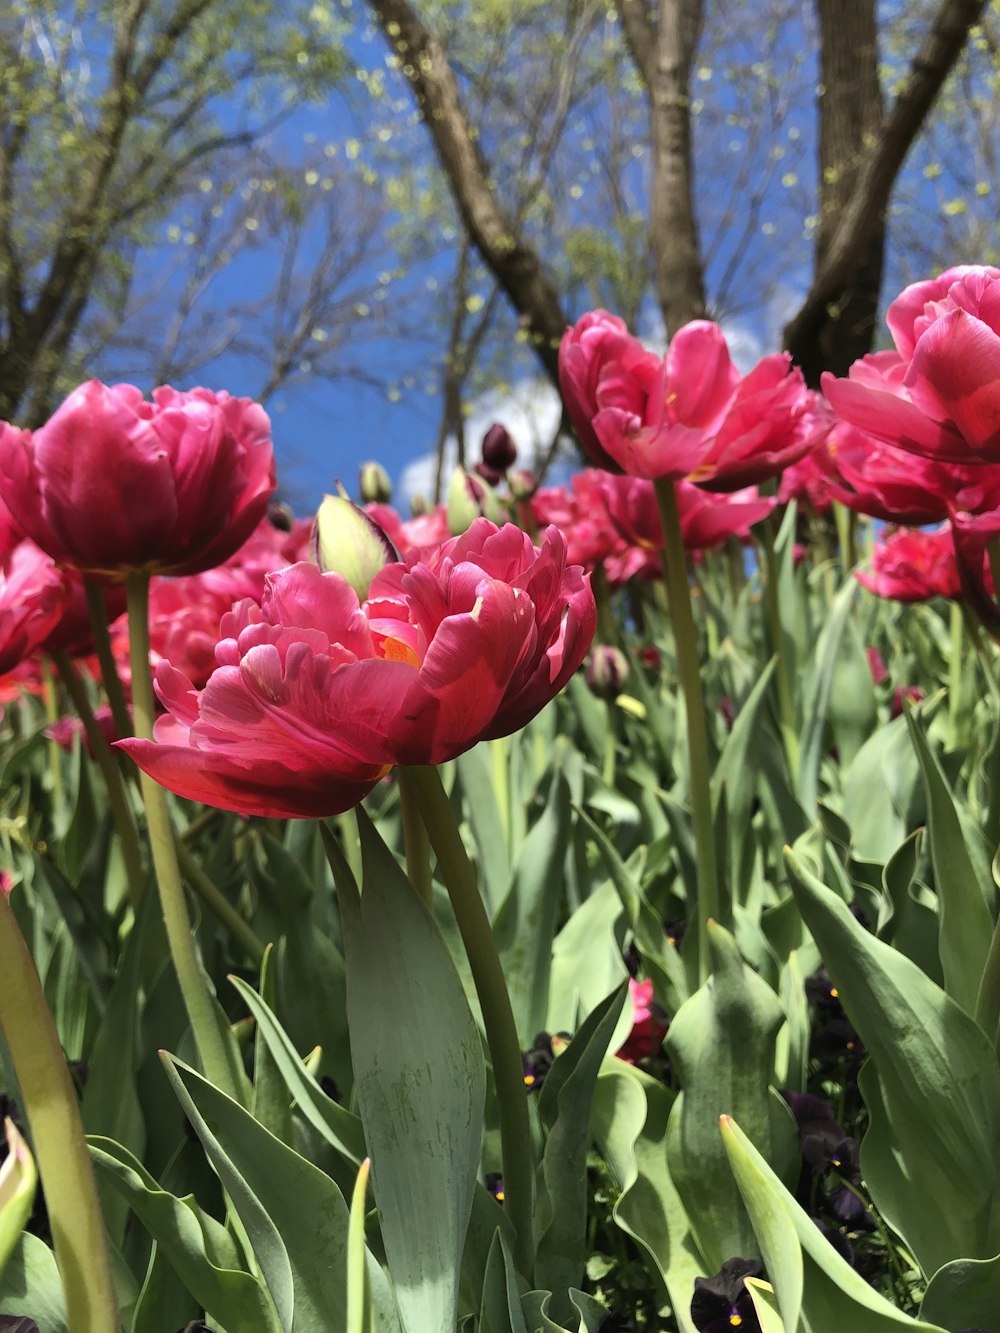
x: 913, y: 565
x: 315, y: 697
x: 32, y: 598
x: 688, y: 414
x: 938, y: 394
x: 113, y: 484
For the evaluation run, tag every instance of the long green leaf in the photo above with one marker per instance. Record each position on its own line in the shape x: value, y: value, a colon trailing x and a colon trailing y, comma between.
x: 965, y: 923
x: 722, y: 1045
x: 201, y: 1250
x: 565, y: 1108
x: 420, y: 1081
x: 935, y: 1111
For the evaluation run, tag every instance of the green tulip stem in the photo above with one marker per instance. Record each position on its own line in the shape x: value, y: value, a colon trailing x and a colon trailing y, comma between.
x: 52, y: 717
x: 121, y: 811
x: 459, y: 877
x: 218, y: 904
x: 847, y: 536
x: 984, y: 651
x: 198, y: 1000
x: 689, y: 669
x: 955, y: 667
x: 98, y: 611
x: 779, y: 647
x: 607, y: 629
x: 57, y: 1138
x: 418, y: 855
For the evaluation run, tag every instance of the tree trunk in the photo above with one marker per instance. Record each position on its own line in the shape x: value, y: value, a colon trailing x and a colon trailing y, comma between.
x: 846, y: 269
x: 663, y: 49
x: 850, y: 118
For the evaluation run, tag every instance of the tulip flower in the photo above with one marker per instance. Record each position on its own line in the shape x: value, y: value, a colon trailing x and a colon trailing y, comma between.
x: 687, y: 414
x: 913, y: 565
x: 32, y: 599
x: 316, y: 696
x: 938, y: 393
x: 113, y: 484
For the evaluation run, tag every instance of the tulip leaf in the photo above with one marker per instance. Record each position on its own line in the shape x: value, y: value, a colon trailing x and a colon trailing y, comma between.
x: 420, y: 1080
x: 334, y: 1123
x: 201, y: 1251
x: 526, y: 922
x: 500, y: 1309
x: 661, y: 958
x: 911, y: 925
x: 163, y: 1304
x: 965, y: 924
x: 810, y: 1279
x: 294, y: 1214
x: 475, y: 773
x: 18, y: 1181
x: 938, y: 1086
x: 722, y: 1044
x: 629, y: 1125
x: 586, y: 959
x: 30, y: 1282
x: 565, y: 1107
x: 964, y: 1294
x: 271, y: 1103
x: 818, y: 695
x: 765, y: 1305
x: 737, y: 774
x: 883, y: 798
x: 110, y: 1099
x: 360, y: 1313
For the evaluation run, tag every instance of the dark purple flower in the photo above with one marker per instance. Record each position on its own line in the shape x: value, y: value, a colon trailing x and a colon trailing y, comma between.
x: 722, y: 1303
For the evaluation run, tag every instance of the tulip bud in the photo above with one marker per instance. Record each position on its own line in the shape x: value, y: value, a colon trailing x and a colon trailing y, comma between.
x: 281, y: 517
x: 499, y: 450
x: 607, y: 670
x: 350, y: 543
x: 374, y: 485
x: 523, y: 484
x: 469, y: 499
x: 419, y: 506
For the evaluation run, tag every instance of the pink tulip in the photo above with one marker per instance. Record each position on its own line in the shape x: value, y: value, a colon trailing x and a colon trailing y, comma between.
x: 649, y: 1025
x: 112, y: 483
x: 315, y: 697
x: 688, y: 414
x: 32, y: 598
x: 913, y: 565
x: 595, y: 341
x: 938, y: 394
x: 184, y: 612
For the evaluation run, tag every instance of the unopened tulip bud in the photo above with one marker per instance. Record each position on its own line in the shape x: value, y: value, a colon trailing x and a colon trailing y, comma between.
x: 374, y: 485
x: 607, y: 670
x: 280, y: 517
x: 350, y: 543
x: 419, y: 506
x: 523, y: 484
x: 470, y: 498
x: 499, y: 450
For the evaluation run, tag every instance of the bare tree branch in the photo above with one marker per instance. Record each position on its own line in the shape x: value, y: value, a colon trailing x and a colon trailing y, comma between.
x: 515, y: 264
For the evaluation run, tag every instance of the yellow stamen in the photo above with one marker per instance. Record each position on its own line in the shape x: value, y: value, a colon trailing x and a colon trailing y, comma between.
x: 394, y: 650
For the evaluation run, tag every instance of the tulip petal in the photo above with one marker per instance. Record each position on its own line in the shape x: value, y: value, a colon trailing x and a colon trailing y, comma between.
x: 892, y: 418
x: 701, y: 376
x: 954, y: 376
